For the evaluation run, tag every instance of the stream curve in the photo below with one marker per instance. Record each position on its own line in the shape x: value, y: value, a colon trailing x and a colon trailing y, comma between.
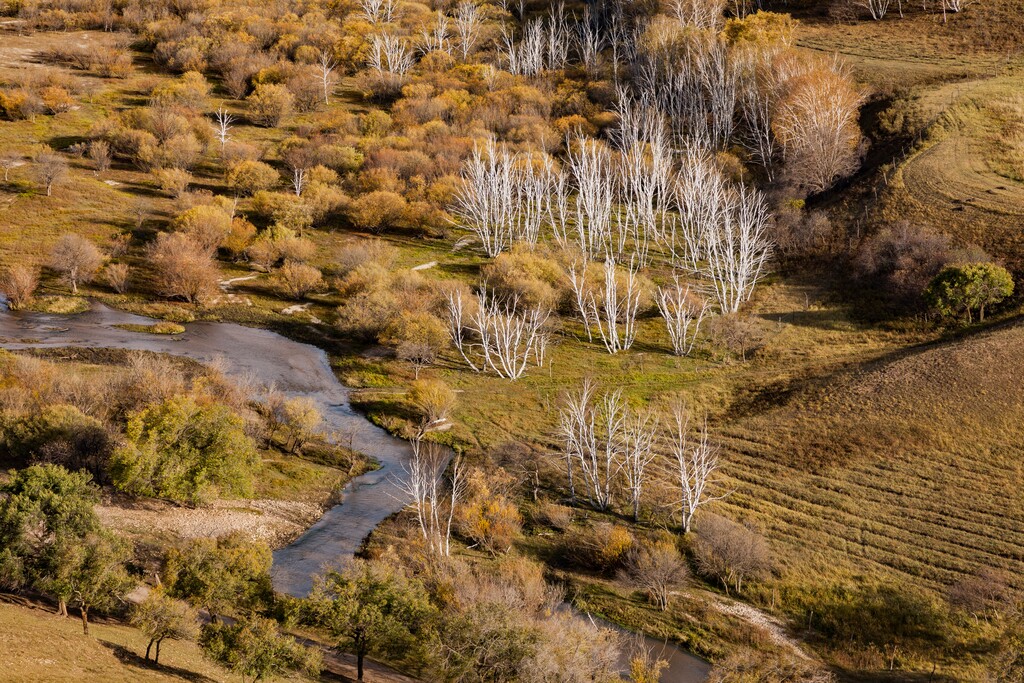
x: 295, y: 369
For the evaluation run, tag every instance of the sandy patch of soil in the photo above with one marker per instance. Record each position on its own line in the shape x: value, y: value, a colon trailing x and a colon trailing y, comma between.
x: 273, y: 521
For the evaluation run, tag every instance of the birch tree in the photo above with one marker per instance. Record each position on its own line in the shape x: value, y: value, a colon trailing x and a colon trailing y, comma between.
x: 590, y: 166
x: 467, y: 22
x: 737, y: 250
x: 638, y: 435
x: 325, y: 66
x: 592, y: 436
x: 817, y: 125
x: 389, y: 60
x: 485, y: 201
x: 497, y: 336
x: 700, y: 14
x: 433, y: 495
x: 683, y: 313
x: 222, y: 121
x: 877, y: 8
x: 697, y: 465
x: 611, y: 307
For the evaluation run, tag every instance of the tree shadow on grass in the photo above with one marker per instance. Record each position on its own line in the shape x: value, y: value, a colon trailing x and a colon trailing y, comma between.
x: 129, y: 658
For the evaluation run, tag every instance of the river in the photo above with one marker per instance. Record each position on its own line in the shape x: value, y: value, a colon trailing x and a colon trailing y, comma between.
x: 295, y: 369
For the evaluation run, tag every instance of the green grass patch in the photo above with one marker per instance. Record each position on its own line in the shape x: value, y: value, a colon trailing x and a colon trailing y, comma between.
x: 57, y: 304
x: 163, y: 327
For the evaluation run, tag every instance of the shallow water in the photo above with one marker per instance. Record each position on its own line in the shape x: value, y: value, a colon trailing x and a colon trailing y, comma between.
x: 296, y: 369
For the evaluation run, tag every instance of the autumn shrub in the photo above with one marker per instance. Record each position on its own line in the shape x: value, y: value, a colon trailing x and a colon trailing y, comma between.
x: 182, y: 268
x: 270, y: 104
x: 417, y: 337
x: 116, y: 275
x: 249, y: 177
x: 730, y: 553
x: 205, y: 225
x: 355, y: 253
x: 487, y: 517
x: 526, y: 275
x: 299, y: 279
x: 603, y: 546
x: 18, y: 284
x: 376, y: 211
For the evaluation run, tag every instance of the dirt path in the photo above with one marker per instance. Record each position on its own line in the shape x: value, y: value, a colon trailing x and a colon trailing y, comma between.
x: 774, y: 627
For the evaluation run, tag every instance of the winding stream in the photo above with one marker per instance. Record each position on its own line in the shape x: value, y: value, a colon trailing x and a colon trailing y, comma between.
x: 295, y: 369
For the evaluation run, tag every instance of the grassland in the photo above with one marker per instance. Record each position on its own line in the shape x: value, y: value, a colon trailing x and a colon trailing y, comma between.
x: 866, y: 454
x: 38, y: 645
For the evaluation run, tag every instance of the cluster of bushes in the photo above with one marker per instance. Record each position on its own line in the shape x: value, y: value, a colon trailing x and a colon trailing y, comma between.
x: 914, y: 267
x: 37, y: 91
x: 150, y: 429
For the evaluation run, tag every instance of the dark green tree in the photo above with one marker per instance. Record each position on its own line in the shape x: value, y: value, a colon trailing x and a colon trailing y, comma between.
x: 372, y: 608
x: 230, y: 573
x: 255, y: 649
x: 962, y: 289
x: 52, y: 541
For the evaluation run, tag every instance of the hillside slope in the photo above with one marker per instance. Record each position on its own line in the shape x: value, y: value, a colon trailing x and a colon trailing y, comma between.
x: 909, y: 466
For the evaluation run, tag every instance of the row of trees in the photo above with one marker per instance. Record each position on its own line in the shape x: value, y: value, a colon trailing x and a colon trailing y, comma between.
x: 609, y: 446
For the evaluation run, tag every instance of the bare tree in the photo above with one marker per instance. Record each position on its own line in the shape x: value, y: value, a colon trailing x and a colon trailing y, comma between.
x: 730, y: 552
x: 52, y: 169
x: 590, y: 39
x: 116, y: 275
x: 701, y: 14
x: 612, y: 307
x: 590, y: 166
x: 638, y: 432
x: 325, y: 66
x: 436, y: 37
x: 697, y: 463
x: 657, y: 569
x: 817, y: 125
x: 379, y: 11
x: 76, y: 259
x: 99, y: 152
x: 877, y: 8
x: 390, y: 60
x: 683, y: 313
x: 298, y: 180
x: 182, y: 268
x: 222, y: 127
x: 738, y: 248
x: 433, y: 496
x: 467, y: 27
x: 497, y: 336
x: 525, y: 57
x: 9, y: 160
x: 592, y: 436
x: 981, y: 592
x: 486, y: 199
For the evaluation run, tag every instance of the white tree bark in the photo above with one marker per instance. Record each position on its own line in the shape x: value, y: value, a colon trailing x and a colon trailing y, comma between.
x: 639, y: 430
x: 467, y: 27
x: 433, y: 496
x: 610, y: 308
x: 593, y: 439
x: 697, y: 464
x: 222, y: 127
x: 736, y: 252
x: 506, y: 340
x: 683, y: 313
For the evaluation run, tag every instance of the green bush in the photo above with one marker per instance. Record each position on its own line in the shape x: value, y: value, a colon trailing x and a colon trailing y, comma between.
x: 186, y: 451
x: 964, y: 288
